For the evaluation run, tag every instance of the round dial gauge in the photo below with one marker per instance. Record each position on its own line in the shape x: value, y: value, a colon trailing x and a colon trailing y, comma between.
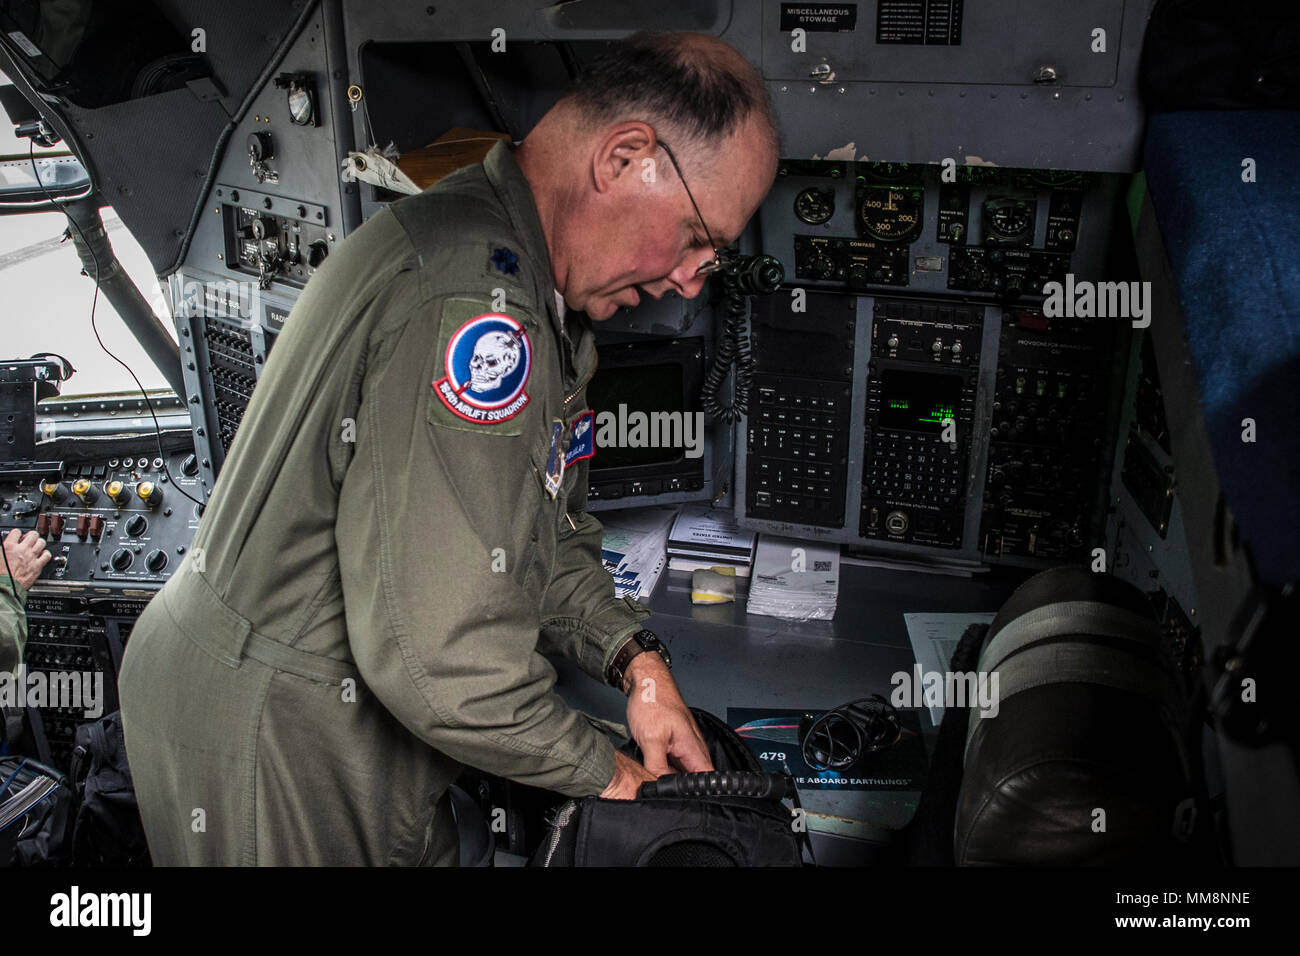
x: 1008, y: 219
x: 815, y: 205
x: 892, y: 172
x: 1054, y: 177
x: 890, y: 215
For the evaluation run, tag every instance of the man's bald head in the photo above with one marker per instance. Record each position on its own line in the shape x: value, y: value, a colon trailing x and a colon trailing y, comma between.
x: 617, y: 216
x: 695, y: 89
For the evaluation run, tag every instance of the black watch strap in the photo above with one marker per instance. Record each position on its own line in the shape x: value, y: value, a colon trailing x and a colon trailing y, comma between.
x: 638, y: 643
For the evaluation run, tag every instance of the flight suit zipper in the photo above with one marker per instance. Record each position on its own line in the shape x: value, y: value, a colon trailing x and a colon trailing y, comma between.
x: 587, y: 381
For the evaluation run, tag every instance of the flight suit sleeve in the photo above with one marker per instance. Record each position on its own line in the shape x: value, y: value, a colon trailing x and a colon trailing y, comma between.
x: 581, y: 617
x: 13, y: 624
x: 438, y: 531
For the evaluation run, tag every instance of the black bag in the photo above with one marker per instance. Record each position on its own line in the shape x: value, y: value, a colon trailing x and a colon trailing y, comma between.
x: 35, y: 814
x: 107, y: 830
x: 732, y: 816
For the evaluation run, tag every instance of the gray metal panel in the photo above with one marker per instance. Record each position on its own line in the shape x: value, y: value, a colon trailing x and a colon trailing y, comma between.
x: 306, y: 157
x: 1135, y: 551
x: 891, y: 102
x: 1027, y: 34
x: 922, y: 103
x: 528, y: 20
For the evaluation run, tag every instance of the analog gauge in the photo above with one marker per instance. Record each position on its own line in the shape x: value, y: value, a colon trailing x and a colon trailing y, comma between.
x: 1008, y: 220
x: 1055, y: 177
x: 301, y: 107
x: 890, y: 215
x: 815, y: 205
x: 891, y: 172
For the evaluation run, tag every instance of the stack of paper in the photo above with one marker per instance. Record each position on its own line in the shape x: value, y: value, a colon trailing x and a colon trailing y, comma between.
x: 705, y: 537
x: 633, y: 548
x: 795, y: 579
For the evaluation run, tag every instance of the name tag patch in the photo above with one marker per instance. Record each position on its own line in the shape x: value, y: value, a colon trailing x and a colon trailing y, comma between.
x: 582, y: 438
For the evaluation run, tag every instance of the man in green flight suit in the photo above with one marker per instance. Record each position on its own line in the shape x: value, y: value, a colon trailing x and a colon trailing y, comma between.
x: 394, y: 542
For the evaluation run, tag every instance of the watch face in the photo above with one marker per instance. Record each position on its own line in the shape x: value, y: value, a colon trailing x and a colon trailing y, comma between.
x: 648, y: 639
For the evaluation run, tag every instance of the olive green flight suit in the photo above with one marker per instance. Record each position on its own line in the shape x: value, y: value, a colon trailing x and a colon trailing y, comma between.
x: 368, y: 598
x: 13, y: 623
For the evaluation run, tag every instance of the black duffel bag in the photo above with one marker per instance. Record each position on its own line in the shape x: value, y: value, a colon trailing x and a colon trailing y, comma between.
x: 108, y: 830
x: 732, y: 816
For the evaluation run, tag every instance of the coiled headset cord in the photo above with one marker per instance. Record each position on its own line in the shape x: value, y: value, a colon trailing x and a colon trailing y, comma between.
x: 742, y: 278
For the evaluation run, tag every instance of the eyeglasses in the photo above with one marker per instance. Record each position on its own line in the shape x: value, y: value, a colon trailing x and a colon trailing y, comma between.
x: 708, y: 266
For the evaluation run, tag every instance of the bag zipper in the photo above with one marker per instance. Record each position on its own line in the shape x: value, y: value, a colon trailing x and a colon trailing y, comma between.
x: 561, y: 821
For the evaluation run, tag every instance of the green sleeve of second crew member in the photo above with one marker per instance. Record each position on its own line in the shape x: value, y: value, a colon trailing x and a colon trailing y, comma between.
x: 13, y: 624
x: 442, y: 636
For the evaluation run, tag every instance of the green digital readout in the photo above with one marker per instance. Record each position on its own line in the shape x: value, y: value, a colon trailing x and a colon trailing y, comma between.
x: 918, y: 401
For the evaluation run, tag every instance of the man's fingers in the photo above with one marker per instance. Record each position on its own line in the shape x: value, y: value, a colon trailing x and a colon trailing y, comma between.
x: 13, y: 537
x: 30, y: 538
x: 694, y: 757
x: 655, y: 757
x: 44, y: 558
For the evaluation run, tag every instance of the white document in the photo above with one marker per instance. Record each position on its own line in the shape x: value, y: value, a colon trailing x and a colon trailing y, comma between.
x: 934, y: 637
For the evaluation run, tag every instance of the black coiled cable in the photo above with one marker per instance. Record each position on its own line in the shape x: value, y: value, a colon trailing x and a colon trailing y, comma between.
x: 742, y: 278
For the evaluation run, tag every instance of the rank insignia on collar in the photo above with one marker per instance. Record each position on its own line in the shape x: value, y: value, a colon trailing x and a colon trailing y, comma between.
x: 505, y: 261
x: 487, y: 364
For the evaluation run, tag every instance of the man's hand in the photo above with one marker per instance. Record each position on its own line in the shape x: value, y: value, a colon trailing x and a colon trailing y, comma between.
x: 628, y: 777
x: 27, y: 556
x: 660, y: 721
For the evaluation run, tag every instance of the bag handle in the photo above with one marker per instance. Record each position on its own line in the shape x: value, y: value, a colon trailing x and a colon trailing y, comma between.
x: 716, y: 783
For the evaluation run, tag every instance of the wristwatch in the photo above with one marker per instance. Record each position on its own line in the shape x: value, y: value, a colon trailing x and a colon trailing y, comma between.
x: 638, y: 643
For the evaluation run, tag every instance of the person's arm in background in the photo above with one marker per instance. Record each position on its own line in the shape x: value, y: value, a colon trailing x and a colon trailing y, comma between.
x: 24, y: 558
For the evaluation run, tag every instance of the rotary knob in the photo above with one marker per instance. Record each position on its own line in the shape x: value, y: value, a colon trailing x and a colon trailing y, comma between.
x: 316, y: 253
x: 121, y: 559
x: 136, y: 525
x: 155, y: 561
x: 84, y: 490
x: 260, y: 147
x: 149, y: 493
x: 117, y: 491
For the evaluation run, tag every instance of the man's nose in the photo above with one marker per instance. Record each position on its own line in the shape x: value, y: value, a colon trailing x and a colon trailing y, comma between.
x: 684, y: 279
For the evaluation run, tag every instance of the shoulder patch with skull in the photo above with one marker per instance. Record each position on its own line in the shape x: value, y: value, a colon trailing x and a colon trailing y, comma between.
x: 486, y: 366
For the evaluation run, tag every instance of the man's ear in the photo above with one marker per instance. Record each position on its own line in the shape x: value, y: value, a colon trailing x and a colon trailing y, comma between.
x: 622, y: 152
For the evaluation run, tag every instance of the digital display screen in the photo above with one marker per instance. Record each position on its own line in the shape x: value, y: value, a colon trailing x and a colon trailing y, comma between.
x: 918, y: 401
x: 640, y: 416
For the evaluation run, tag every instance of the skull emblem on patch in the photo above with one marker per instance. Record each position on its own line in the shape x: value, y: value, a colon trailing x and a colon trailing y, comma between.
x: 496, y: 354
